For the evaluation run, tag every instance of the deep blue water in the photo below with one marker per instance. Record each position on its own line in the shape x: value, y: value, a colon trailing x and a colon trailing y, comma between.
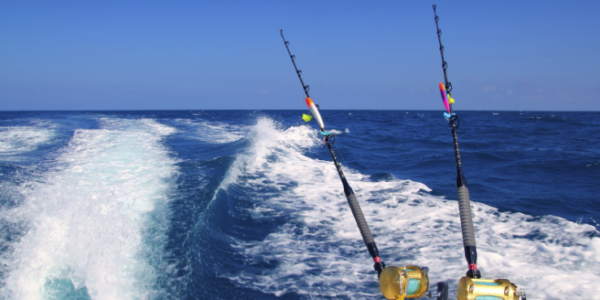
x: 248, y: 205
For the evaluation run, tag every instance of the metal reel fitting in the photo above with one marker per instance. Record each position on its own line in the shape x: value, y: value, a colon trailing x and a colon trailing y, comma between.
x: 405, y: 282
x: 489, y: 289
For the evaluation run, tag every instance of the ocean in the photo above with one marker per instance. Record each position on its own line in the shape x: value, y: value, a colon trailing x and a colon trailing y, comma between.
x: 248, y: 204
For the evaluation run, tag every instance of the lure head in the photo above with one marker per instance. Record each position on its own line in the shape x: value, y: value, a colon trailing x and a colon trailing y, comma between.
x: 309, y: 102
x: 471, y: 289
x: 404, y: 282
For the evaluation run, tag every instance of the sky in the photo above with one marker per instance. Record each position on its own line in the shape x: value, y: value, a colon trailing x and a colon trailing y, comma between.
x: 383, y: 55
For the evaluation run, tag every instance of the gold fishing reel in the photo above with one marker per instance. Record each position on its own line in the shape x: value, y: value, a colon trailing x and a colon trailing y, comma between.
x: 405, y: 282
x: 497, y: 289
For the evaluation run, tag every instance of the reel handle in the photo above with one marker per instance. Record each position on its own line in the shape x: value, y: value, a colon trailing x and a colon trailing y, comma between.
x: 442, y: 292
x: 442, y: 289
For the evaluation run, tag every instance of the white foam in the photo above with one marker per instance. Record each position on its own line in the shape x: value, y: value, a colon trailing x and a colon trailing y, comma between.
x: 88, y: 221
x: 320, y: 252
x: 267, y: 139
x: 15, y: 140
x: 215, y: 132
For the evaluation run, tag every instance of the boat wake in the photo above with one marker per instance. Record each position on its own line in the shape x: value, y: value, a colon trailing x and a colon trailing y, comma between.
x: 92, y: 227
x: 317, y: 251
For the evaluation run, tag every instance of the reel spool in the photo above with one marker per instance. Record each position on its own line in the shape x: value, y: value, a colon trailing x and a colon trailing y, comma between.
x: 488, y: 289
x: 406, y: 282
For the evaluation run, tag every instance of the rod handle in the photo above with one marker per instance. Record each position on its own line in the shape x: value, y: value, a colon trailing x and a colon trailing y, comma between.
x: 466, y: 219
x: 468, y: 232
x: 360, y: 219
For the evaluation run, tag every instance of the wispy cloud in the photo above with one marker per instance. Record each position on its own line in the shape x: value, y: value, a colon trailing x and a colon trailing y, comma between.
x: 488, y: 88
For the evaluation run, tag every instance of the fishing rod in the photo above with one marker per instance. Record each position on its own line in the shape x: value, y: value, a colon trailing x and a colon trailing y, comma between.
x: 471, y: 286
x: 395, y: 282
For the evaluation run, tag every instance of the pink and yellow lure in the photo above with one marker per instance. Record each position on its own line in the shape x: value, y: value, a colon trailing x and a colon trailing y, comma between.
x: 447, y: 100
x: 444, y: 96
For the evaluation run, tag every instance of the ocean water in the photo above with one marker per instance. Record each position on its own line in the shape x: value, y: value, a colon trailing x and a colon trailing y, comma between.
x: 248, y: 205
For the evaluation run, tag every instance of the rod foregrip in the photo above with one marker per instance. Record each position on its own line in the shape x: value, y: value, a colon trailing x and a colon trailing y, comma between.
x: 468, y: 232
x: 466, y: 219
x: 360, y: 219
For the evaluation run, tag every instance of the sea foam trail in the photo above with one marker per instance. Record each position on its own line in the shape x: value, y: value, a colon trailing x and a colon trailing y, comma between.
x: 15, y: 140
x: 214, y: 132
x: 319, y: 252
x: 89, y: 233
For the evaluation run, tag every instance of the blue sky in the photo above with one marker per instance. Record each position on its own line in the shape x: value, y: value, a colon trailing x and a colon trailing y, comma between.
x: 122, y: 55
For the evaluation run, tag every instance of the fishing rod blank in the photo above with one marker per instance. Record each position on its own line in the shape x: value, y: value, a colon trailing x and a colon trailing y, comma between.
x: 470, y: 287
x: 352, y: 201
x: 299, y: 72
x: 464, y: 203
x: 395, y: 283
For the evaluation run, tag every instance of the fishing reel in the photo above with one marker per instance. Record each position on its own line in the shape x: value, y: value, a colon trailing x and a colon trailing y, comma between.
x: 496, y: 289
x: 408, y: 282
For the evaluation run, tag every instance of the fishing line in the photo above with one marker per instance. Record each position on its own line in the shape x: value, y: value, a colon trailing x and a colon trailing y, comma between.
x: 341, y: 155
x: 339, y: 150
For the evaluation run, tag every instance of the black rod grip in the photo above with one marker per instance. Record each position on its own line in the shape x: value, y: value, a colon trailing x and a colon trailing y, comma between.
x: 359, y: 217
x: 466, y: 218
